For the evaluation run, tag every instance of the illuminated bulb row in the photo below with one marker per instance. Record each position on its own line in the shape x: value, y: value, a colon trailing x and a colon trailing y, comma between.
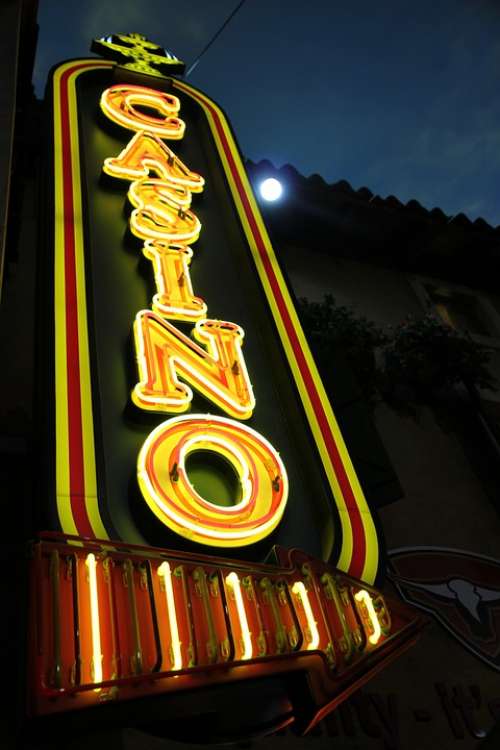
x: 233, y: 582
x: 363, y: 596
x: 165, y: 573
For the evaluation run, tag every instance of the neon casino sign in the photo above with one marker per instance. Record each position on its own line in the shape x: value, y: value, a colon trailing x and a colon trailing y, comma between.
x: 164, y: 236
x: 161, y: 189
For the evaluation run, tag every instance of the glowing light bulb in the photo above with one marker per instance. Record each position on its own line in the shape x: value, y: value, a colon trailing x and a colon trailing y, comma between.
x: 165, y: 572
x: 271, y: 189
x: 364, y: 597
x: 233, y: 581
x: 300, y: 590
x: 91, y: 564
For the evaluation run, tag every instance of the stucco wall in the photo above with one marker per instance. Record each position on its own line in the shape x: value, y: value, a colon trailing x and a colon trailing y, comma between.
x: 428, y: 459
x: 444, y: 505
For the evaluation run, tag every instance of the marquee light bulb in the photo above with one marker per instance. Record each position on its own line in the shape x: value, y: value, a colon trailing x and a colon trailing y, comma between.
x: 364, y: 597
x: 300, y: 591
x: 234, y: 582
x: 165, y: 573
x: 91, y: 564
x: 271, y: 189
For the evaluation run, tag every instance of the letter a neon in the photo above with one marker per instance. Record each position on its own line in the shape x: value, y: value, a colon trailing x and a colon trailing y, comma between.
x: 146, y: 153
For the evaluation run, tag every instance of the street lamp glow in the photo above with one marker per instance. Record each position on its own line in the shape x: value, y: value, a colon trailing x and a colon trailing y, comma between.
x: 271, y: 189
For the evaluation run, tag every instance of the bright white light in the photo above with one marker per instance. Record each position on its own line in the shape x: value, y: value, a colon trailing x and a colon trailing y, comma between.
x: 271, y: 189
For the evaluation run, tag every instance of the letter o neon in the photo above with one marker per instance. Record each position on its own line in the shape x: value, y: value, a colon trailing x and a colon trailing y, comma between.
x: 172, y: 498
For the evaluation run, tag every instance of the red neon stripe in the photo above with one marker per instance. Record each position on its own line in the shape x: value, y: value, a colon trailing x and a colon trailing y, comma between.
x: 75, y: 435
x: 359, y: 539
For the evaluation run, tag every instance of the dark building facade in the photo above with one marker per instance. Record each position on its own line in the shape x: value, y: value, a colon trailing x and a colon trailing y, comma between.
x: 437, y: 483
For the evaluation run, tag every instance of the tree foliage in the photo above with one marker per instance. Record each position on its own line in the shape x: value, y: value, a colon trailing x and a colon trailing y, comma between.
x: 330, y: 327
x: 417, y: 359
x: 425, y: 356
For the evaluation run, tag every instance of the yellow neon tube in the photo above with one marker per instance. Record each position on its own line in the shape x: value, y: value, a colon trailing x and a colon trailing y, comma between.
x: 250, y: 217
x: 161, y: 212
x: 364, y: 597
x: 168, y: 492
x: 146, y: 153
x: 119, y: 104
x: 236, y: 458
x: 91, y: 564
x: 300, y: 590
x: 175, y: 297
x: 218, y: 372
x: 233, y: 581
x: 165, y: 572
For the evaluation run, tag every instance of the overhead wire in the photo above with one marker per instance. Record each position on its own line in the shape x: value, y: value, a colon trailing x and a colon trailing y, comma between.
x: 212, y: 40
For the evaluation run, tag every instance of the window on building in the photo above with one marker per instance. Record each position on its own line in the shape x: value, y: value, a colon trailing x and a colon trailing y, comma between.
x: 464, y: 309
x: 460, y: 310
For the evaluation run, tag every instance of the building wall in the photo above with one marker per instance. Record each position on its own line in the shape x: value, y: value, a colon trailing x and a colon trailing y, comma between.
x: 445, y: 504
x: 387, y: 297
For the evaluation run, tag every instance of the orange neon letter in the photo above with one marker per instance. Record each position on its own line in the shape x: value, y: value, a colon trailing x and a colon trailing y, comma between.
x: 175, y: 298
x: 146, y: 153
x: 165, y: 485
x: 120, y: 103
x: 219, y: 372
x: 161, y: 212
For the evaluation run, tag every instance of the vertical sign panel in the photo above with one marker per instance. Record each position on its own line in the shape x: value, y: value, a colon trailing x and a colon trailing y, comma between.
x: 258, y: 450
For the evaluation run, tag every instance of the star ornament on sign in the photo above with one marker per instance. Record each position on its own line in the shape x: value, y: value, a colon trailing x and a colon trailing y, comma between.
x: 135, y: 52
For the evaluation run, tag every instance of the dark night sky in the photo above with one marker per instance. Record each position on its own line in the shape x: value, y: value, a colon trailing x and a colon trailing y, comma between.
x: 399, y: 96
